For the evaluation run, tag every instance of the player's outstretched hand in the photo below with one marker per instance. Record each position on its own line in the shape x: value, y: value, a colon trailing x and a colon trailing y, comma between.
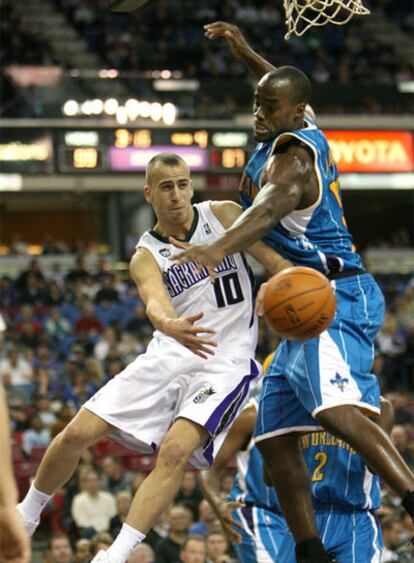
x: 187, y: 333
x: 232, y: 33
x: 229, y: 523
x: 203, y: 255
x: 14, y: 543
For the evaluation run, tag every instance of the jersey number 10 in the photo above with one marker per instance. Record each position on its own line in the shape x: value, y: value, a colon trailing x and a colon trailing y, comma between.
x: 227, y: 290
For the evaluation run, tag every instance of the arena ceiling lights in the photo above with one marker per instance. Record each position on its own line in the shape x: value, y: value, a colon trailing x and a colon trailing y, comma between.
x: 131, y: 110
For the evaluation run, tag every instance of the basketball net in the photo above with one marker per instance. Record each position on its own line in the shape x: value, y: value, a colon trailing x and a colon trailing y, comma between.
x: 304, y: 14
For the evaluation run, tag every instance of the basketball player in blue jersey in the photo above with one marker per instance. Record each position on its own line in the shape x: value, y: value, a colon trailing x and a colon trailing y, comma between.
x: 186, y: 389
x: 344, y: 494
x: 326, y: 381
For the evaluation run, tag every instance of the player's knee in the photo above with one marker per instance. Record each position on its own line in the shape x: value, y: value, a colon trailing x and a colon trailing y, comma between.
x: 74, y: 437
x: 173, y: 454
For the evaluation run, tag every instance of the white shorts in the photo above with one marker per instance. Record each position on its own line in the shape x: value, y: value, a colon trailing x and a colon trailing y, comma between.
x: 170, y: 382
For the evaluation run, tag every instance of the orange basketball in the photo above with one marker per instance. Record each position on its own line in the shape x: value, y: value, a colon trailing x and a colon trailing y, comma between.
x: 299, y: 303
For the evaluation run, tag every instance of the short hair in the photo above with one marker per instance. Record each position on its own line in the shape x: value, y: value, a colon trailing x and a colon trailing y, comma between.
x: 300, y: 85
x: 167, y: 158
x: 216, y: 532
x: 58, y: 536
x: 192, y: 537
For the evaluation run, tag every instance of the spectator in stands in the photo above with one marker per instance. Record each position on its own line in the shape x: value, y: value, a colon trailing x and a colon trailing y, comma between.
x: 35, y: 292
x: 226, y: 483
x: 217, y: 547
x: 34, y: 270
x: 37, y: 436
x: 88, y: 324
x: 143, y: 554
x: 54, y: 295
x: 83, y: 552
x: 139, y: 324
x: 9, y: 296
x: 108, y: 294
x: 168, y: 549
x: 94, y: 372
x: 93, y: 508
x: 57, y: 326
x: 101, y: 540
x: 115, y: 478
x: 123, y: 503
x: 43, y: 411
x: 107, y: 340
x: 79, y: 272
x: 392, y: 345
x: 399, y: 435
x: 193, y: 550
x: 189, y: 493
x: 15, y: 370
x: 78, y: 390
x: 60, y: 550
x: 391, y: 530
x: 64, y: 416
x: 207, y: 520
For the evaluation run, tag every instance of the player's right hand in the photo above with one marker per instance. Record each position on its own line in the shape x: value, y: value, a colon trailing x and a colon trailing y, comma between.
x: 232, y: 33
x: 187, y: 333
x: 229, y: 523
x: 14, y: 543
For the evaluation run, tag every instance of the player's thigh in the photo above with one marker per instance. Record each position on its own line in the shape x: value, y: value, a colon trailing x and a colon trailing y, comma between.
x: 84, y: 430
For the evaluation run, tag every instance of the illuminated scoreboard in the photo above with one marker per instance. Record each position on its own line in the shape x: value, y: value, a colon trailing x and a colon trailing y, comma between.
x: 214, y: 151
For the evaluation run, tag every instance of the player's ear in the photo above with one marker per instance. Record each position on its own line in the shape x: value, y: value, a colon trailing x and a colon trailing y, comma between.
x: 191, y: 189
x: 300, y: 109
x: 147, y: 194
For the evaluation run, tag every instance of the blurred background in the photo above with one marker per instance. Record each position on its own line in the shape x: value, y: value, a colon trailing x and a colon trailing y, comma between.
x: 88, y: 97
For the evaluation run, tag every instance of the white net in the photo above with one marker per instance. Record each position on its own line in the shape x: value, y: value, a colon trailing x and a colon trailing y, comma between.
x: 304, y: 14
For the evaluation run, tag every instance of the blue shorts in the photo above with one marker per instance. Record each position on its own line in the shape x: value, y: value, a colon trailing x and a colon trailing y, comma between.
x: 351, y: 537
x: 330, y: 370
x: 262, y: 535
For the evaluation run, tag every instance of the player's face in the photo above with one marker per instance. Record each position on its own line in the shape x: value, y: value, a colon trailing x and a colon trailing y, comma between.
x: 274, y: 111
x: 170, y: 193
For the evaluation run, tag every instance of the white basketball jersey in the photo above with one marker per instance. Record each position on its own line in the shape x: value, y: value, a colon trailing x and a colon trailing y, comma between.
x: 227, y: 304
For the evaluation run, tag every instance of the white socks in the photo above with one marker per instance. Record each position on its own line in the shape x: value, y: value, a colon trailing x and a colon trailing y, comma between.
x: 33, y: 503
x: 125, y: 543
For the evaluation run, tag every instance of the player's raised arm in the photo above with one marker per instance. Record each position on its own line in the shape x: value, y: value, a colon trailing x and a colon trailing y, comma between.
x: 148, y: 278
x: 257, y: 65
x: 238, y: 438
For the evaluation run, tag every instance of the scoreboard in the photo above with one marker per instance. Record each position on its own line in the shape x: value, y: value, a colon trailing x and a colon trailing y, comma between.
x: 123, y: 150
x: 120, y: 149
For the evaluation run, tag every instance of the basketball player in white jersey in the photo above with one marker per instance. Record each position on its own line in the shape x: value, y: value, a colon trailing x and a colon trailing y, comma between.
x: 181, y: 394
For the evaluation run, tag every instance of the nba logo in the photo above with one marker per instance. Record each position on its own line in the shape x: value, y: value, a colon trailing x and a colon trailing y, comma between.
x: 207, y: 229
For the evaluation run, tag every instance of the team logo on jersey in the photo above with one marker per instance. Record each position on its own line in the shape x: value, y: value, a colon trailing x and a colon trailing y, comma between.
x: 340, y: 382
x: 165, y: 252
x: 204, y: 395
x: 207, y: 229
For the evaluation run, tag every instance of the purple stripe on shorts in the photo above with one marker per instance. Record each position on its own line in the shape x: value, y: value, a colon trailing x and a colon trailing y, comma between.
x: 227, y: 406
x: 247, y: 512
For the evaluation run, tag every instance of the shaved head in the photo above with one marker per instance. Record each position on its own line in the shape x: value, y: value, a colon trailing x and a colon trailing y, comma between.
x: 297, y: 81
x: 162, y: 159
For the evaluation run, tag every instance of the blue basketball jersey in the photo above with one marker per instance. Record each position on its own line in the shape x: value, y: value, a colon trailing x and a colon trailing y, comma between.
x: 339, y: 476
x: 249, y: 486
x: 317, y: 236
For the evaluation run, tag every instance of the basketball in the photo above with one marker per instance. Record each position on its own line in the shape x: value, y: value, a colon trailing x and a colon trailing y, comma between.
x: 299, y: 303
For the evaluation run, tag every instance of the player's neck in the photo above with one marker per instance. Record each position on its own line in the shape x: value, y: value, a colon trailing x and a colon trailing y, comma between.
x: 179, y: 231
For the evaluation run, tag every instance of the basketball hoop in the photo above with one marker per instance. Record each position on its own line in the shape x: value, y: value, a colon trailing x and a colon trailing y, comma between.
x: 304, y: 14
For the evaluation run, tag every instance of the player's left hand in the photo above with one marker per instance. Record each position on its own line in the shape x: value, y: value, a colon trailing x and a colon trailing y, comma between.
x: 203, y: 255
x: 229, y: 523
